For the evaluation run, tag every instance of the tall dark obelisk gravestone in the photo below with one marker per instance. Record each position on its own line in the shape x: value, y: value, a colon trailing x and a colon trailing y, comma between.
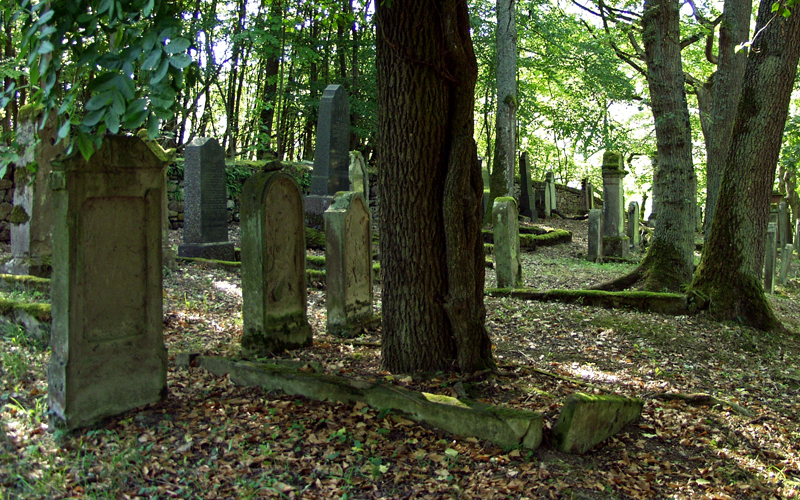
x: 205, y: 224
x: 332, y: 154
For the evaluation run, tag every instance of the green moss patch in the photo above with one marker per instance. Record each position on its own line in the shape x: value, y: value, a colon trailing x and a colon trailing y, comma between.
x: 665, y: 303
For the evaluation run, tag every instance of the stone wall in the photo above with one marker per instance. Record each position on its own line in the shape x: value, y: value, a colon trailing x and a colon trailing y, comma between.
x: 568, y: 199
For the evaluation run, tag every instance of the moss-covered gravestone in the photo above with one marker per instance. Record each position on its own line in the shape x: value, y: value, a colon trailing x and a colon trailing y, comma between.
x: 615, y: 242
x: 587, y: 419
x: 505, y: 223
x: 107, y: 345
x: 273, y: 265
x: 32, y: 214
x: 348, y: 263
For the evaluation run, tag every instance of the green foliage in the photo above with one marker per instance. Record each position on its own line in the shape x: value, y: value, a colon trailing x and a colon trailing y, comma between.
x: 102, y: 66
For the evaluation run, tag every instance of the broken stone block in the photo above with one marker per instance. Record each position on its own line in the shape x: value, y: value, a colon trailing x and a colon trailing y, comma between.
x: 588, y: 419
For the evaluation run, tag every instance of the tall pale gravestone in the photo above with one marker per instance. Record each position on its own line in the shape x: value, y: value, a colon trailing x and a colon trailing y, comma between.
x: 769, y: 258
x: 595, y: 251
x: 527, y: 205
x: 633, y: 226
x: 359, y: 177
x: 550, y: 192
x: 331, y: 156
x: 273, y: 265
x: 205, y: 223
x: 348, y: 264
x: 505, y: 225
x: 655, y: 202
x: 615, y: 241
x: 107, y: 343
x: 784, y: 238
x: 32, y: 215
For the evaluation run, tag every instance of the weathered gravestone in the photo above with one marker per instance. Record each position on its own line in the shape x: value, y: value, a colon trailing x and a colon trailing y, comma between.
x: 633, y: 225
x: 107, y: 345
x: 769, y: 258
x: 549, y: 193
x: 273, y: 265
x: 359, y: 176
x: 205, y: 223
x: 527, y: 204
x: 595, y: 252
x: 505, y: 225
x: 348, y: 264
x: 615, y: 242
x: 784, y: 229
x: 331, y: 156
x: 32, y: 215
x: 786, y: 263
x: 587, y: 195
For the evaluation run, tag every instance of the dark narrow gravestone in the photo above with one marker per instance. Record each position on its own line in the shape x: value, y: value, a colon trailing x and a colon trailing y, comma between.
x: 32, y: 224
x: 633, y: 226
x: 615, y: 242
x: 107, y: 345
x: 348, y: 264
x: 587, y: 195
x: 273, y: 265
x: 770, y: 258
x: 205, y: 223
x: 786, y: 263
x: 527, y: 204
x: 332, y: 153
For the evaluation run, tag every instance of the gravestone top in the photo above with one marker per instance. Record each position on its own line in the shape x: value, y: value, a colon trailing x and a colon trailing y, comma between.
x: 331, y: 157
x: 612, y: 163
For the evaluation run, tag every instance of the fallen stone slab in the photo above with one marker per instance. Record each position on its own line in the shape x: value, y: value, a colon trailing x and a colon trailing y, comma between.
x: 666, y: 303
x: 34, y: 317
x: 503, y: 426
x: 588, y: 419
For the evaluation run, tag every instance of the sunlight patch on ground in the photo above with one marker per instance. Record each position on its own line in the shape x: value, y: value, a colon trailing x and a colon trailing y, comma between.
x: 228, y: 288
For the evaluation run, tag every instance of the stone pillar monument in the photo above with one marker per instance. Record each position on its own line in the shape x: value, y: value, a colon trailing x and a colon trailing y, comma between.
x: 615, y: 242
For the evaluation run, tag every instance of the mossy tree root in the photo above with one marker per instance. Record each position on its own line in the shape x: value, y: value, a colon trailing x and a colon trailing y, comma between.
x: 621, y: 283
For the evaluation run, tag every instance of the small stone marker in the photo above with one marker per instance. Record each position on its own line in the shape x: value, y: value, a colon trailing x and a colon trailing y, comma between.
x: 633, y: 226
x: 527, y: 204
x: 786, y: 263
x: 615, y: 242
x: 359, y: 177
x: 331, y: 155
x: 769, y: 258
x: 505, y: 224
x: 348, y: 264
x: 32, y: 214
x: 107, y: 344
x: 595, y: 253
x: 273, y: 265
x: 586, y: 420
x: 205, y: 223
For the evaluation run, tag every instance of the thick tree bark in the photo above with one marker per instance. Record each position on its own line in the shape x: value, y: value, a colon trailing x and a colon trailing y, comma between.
x: 505, y: 151
x: 669, y: 260
x: 431, y: 188
x: 728, y: 279
x: 734, y: 29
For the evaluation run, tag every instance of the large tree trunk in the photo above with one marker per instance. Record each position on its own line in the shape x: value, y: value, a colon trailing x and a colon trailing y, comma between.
x: 431, y: 188
x: 728, y: 279
x: 733, y: 30
x: 669, y: 260
x: 270, y: 95
x: 505, y: 151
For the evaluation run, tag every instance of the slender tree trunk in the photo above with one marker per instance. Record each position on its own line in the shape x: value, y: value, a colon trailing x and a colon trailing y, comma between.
x: 505, y: 150
x: 728, y: 279
x: 734, y: 30
x: 430, y: 185
x: 267, y: 112
x: 669, y: 259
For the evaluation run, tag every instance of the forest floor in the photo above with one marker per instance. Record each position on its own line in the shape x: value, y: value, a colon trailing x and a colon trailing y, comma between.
x: 212, y: 439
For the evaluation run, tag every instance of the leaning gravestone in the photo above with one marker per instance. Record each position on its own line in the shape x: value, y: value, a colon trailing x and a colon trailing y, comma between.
x: 615, y: 242
x: 633, y: 225
x: 348, y: 264
x: 769, y: 258
x: 273, y: 265
x: 595, y: 252
x: 107, y: 344
x: 205, y: 223
x: 331, y: 156
x: 32, y: 214
x: 527, y: 204
x: 505, y: 225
